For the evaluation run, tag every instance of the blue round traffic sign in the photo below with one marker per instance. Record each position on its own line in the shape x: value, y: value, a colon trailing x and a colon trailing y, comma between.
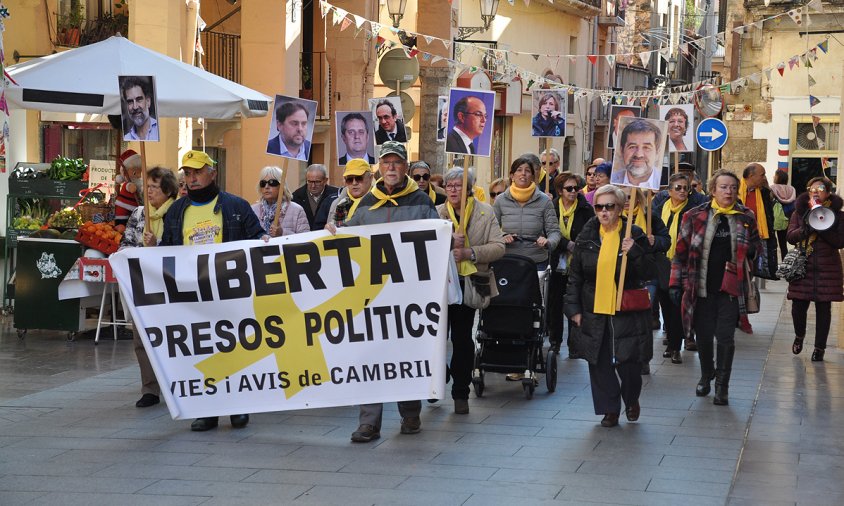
x: 711, y: 134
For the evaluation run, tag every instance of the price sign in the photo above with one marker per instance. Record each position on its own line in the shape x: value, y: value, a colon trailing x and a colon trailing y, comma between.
x: 102, y: 171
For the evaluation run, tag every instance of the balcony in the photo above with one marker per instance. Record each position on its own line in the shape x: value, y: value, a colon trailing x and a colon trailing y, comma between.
x: 316, y: 81
x: 73, y: 31
x: 583, y: 8
x: 222, y: 54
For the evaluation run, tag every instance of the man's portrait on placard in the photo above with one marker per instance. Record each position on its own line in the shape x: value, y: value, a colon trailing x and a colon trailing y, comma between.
x: 616, y: 113
x: 387, y: 119
x: 291, y: 127
x: 354, y: 137
x: 138, y: 108
x: 470, y: 122
x: 548, y: 116
x: 681, y: 126
x: 442, y: 117
x: 637, y: 159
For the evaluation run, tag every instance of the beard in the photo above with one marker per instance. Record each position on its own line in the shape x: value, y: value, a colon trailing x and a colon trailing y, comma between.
x: 636, y: 170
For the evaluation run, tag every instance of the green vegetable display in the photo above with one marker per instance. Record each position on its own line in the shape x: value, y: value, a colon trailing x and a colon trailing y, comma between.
x: 67, y: 169
x: 66, y: 218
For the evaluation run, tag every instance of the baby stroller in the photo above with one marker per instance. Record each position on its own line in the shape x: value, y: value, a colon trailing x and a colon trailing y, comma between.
x: 512, y: 329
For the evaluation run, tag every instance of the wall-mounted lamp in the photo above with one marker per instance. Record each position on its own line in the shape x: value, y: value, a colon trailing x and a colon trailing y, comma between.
x: 396, y: 10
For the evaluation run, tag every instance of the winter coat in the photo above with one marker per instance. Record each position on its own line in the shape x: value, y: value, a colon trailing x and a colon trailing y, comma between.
x: 536, y: 218
x: 768, y: 260
x: 824, y: 279
x: 582, y: 213
x: 239, y: 221
x: 416, y: 205
x: 629, y: 330
x: 293, y: 221
x: 690, y: 262
x: 319, y: 218
x: 485, y: 237
x: 664, y: 264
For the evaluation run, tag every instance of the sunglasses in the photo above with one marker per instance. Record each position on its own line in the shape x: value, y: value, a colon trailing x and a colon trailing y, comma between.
x: 495, y: 194
x: 272, y: 182
x: 680, y: 188
x: 570, y: 189
x: 818, y: 188
x: 604, y: 207
x: 590, y: 174
x: 353, y: 179
x: 417, y: 177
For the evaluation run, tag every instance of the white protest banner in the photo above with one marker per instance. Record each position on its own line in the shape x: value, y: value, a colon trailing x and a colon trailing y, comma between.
x: 304, y: 321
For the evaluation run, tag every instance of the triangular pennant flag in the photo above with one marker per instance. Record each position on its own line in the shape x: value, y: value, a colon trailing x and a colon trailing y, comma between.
x: 359, y: 20
x: 446, y: 43
x: 413, y: 52
x: 645, y: 56
x: 755, y: 77
x: 719, y: 37
x: 379, y: 40
x: 428, y: 39
x: 725, y: 88
x: 605, y: 99
x: 535, y: 57
x: 611, y: 59
x: 643, y: 102
x: 572, y: 59
x: 739, y: 30
x: 796, y: 16
x: 813, y: 101
x: 812, y: 80
x: 824, y: 46
x: 4, y: 106
x: 674, y: 97
x: 376, y: 27
x: 530, y: 83
x: 815, y: 5
x: 816, y: 121
x: 781, y: 68
x: 592, y: 58
x: 631, y: 100
x: 768, y: 74
x: 792, y: 62
x: 758, y: 24
x: 323, y: 8
x: 345, y: 24
x: 527, y: 3
x: 436, y: 58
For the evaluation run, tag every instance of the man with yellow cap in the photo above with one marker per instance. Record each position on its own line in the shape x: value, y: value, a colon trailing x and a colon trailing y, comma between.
x: 358, y: 181
x: 207, y: 216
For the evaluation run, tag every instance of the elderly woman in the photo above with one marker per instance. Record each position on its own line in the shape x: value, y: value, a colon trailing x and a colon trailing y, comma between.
x: 496, y: 188
x: 573, y: 212
x: 716, y: 244
x: 183, y: 187
x: 291, y: 219
x: 421, y: 173
x: 823, y: 281
x: 162, y: 190
x: 671, y: 212
x: 526, y: 216
x: 608, y: 339
x: 678, y: 123
x: 602, y: 178
x: 549, y: 120
x: 358, y: 181
x: 482, y: 244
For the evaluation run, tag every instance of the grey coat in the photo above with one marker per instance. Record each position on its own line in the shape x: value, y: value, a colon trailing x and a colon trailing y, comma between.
x: 534, y: 219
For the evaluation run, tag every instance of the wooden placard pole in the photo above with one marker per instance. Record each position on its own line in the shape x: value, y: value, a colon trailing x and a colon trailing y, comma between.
x: 627, y: 233
x: 648, y: 200
x: 144, y: 184
x: 676, y: 162
x: 281, y: 188
x: 463, y: 195
x: 546, y: 154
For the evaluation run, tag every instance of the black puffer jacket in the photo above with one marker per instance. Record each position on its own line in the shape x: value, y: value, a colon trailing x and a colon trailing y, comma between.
x: 582, y: 214
x: 628, y: 330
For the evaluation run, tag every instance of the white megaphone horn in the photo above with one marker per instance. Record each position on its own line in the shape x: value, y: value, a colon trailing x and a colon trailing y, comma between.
x: 819, y: 217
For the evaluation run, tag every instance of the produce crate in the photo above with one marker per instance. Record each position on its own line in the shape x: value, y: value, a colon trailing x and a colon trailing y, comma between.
x: 106, y: 246
x: 43, y: 187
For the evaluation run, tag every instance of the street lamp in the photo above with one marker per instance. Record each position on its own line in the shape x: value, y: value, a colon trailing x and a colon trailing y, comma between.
x: 396, y: 10
x: 489, y: 8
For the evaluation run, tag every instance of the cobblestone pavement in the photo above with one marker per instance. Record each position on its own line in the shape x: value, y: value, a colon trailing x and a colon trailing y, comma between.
x: 70, y: 435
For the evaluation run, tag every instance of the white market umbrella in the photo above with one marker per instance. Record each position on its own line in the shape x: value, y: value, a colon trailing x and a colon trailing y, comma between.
x: 84, y: 80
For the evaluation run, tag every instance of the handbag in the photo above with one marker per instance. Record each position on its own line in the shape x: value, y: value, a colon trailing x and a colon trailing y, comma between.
x: 479, y: 288
x: 751, y: 302
x: 635, y: 299
x: 793, y: 266
x: 729, y: 283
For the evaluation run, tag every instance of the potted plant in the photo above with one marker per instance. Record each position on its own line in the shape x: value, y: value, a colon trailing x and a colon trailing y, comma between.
x: 307, y: 91
x: 70, y: 26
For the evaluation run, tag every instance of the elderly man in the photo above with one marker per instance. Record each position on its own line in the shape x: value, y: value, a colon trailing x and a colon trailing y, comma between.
x: 316, y: 196
x: 395, y: 197
x: 137, y: 93
x: 469, y: 123
x: 421, y: 173
x: 291, y: 121
x: 358, y: 179
x: 639, y: 143
x: 208, y: 216
x: 354, y: 131
x: 550, y: 161
x: 390, y: 128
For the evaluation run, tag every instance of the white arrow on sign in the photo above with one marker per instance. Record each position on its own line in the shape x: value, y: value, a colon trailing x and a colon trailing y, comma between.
x: 713, y: 134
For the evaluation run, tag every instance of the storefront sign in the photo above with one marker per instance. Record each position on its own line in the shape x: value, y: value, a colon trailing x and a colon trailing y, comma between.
x: 101, y: 171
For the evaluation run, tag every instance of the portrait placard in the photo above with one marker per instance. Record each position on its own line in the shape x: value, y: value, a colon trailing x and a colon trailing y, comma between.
x: 138, y: 108
x: 291, y: 127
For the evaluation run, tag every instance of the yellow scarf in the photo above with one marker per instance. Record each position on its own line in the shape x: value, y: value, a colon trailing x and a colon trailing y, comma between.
x: 432, y: 193
x: 156, y: 218
x: 567, y: 218
x: 383, y: 198
x: 465, y: 267
x: 761, y: 217
x: 641, y: 221
x: 522, y: 195
x: 723, y: 210
x: 353, y: 208
x: 542, y: 176
x: 479, y: 193
x: 605, y: 287
x: 667, y: 210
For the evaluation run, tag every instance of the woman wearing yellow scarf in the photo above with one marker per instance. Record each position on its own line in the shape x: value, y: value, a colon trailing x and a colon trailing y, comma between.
x: 421, y: 173
x: 483, y: 243
x: 610, y: 340
x: 672, y: 211
x: 162, y: 188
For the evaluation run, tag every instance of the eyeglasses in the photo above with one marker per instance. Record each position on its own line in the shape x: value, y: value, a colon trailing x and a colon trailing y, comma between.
x: 818, y: 188
x: 272, y: 182
x: 730, y: 187
x: 453, y: 188
x: 590, y: 174
x: 570, y: 189
x: 353, y: 179
x: 392, y: 164
x: 478, y: 114
x: 495, y: 194
x: 680, y: 188
x: 417, y: 177
x: 550, y: 163
x: 604, y: 207
x: 316, y: 182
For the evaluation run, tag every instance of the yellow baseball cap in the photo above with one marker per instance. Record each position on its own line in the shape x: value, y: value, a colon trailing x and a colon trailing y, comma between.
x: 197, y: 160
x: 356, y: 167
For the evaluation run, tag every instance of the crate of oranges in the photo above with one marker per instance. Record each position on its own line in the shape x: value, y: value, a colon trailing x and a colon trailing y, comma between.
x: 104, y: 237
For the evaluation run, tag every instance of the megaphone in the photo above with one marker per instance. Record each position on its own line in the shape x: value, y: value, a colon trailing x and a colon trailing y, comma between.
x: 819, y: 217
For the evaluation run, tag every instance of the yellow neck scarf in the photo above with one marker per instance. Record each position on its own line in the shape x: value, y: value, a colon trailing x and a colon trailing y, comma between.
x: 669, y: 209
x: 464, y: 267
x: 566, y: 218
x: 542, y: 176
x: 432, y: 193
x: 761, y: 217
x: 605, y: 288
x: 724, y: 210
x: 479, y: 193
x: 353, y: 208
x: 156, y: 218
x: 383, y: 198
x: 640, y: 220
x: 522, y: 195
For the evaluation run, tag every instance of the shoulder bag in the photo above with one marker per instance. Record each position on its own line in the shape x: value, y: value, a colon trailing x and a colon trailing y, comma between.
x: 793, y: 266
x: 479, y: 288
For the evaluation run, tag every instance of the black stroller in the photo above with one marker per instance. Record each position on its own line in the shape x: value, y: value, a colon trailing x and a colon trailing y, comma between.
x: 512, y: 330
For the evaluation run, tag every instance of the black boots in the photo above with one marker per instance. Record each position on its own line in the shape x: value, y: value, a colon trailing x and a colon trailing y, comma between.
x: 724, y: 360
x: 707, y: 368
